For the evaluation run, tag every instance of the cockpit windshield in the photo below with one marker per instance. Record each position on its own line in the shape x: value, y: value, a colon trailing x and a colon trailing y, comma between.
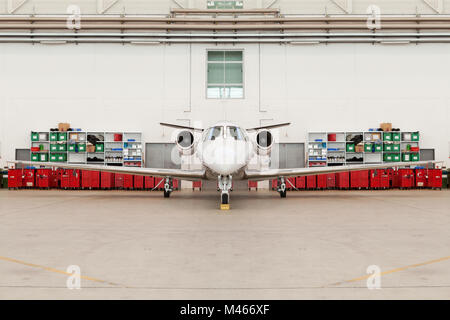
x: 214, y: 133
x: 235, y: 133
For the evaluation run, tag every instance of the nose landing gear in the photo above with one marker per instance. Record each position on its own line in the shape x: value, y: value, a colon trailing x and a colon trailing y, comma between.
x: 225, y: 183
x: 168, y: 187
x: 281, y: 187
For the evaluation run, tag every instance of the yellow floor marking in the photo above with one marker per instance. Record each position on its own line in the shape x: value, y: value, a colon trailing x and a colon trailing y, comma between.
x: 393, y: 270
x: 55, y: 270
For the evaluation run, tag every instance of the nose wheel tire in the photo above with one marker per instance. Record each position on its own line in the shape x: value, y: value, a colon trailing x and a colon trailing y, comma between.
x: 225, y: 198
x: 283, y: 194
x: 166, y: 194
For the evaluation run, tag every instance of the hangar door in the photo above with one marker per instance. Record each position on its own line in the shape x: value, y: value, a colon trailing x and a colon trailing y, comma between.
x: 158, y: 155
x: 291, y: 155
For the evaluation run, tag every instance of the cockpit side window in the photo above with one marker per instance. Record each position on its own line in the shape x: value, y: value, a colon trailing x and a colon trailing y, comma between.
x: 235, y: 133
x: 214, y: 133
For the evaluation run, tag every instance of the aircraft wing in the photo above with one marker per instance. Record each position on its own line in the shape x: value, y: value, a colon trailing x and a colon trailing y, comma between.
x: 295, y: 172
x: 174, y: 173
x: 272, y: 126
x: 176, y: 126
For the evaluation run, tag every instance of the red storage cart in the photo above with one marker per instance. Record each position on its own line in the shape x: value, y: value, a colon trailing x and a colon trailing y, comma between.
x: 43, y: 178
x: 359, y: 179
x: 405, y: 178
x: 70, y: 179
x: 55, y: 178
x: 128, y: 181
x: 107, y: 180
x: 420, y: 178
x: 252, y: 185
x: 90, y: 179
x: 300, y: 183
x: 176, y: 184
x: 322, y: 181
x: 196, y: 184
x: 149, y: 183
x: 311, y: 182
x: 391, y: 173
x: 274, y: 184
x: 342, y: 180
x: 138, y: 182
x: 29, y: 178
x: 331, y: 181
x: 434, y: 178
x: 379, y: 179
x: 15, y: 178
x: 118, y: 180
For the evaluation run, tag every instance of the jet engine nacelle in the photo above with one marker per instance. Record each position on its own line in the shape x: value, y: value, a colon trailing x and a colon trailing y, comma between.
x: 264, y: 142
x: 185, y: 142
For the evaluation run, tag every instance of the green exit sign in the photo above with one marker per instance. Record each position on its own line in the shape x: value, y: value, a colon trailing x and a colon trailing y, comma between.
x: 225, y: 4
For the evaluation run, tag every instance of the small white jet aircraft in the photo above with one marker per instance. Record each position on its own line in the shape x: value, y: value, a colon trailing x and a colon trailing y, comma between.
x: 225, y: 152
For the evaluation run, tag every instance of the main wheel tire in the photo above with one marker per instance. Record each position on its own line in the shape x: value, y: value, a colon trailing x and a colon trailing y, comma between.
x: 166, y: 194
x: 283, y: 194
x: 225, y: 198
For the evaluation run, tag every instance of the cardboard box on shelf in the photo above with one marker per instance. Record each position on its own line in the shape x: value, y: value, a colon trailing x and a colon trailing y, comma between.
x: 63, y: 127
x: 386, y: 126
x: 90, y: 148
x: 359, y: 148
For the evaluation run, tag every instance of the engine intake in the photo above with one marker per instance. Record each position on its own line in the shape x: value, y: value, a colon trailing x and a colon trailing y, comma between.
x: 185, y: 142
x: 264, y: 142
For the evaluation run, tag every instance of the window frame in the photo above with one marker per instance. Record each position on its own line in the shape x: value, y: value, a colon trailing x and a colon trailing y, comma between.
x: 223, y: 85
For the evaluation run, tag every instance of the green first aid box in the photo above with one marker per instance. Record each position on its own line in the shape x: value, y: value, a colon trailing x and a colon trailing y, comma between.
x: 81, y: 147
x: 99, y: 148
x: 388, y: 157
x: 53, y: 147
x: 368, y: 147
x: 396, y: 147
x: 378, y: 147
x: 350, y: 147
x: 396, y: 157
x: 62, y: 147
x: 388, y: 147
x: 62, y: 136
x: 396, y: 136
x: 34, y: 136
x: 72, y: 147
x: 415, y: 157
x: 35, y: 157
x: 387, y: 136
x: 415, y: 136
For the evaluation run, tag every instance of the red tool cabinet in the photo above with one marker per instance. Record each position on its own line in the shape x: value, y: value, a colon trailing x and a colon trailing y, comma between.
x: 15, y: 178
x: 128, y: 181
x: 107, y: 180
x: 331, y: 181
x: 149, y: 183
x: 405, y: 178
x: 29, y: 178
x: 118, y: 180
x: 274, y: 184
x: 70, y: 179
x: 90, y: 179
x: 359, y: 179
x: 43, y: 178
x: 311, y: 182
x: 434, y: 178
x: 420, y: 178
x: 379, y: 179
x: 300, y: 182
x: 138, y: 182
x: 342, y: 180
x: 176, y: 184
x: 196, y: 184
x: 252, y: 185
x: 322, y: 181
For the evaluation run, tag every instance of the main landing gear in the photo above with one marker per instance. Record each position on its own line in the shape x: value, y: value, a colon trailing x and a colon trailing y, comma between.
x: 168, y: 187
x: 225, y: 184
x: 281, y: 187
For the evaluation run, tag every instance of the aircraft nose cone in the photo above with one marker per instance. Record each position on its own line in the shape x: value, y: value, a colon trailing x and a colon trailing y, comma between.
x: 223, y: 158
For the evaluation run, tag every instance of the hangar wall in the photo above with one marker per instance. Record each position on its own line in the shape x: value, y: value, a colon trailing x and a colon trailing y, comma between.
x: 133, y: 87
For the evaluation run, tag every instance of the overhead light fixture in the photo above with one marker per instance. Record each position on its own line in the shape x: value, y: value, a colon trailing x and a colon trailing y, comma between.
x: 296, y: 43
x: 150, y: 43
x: 53, y: 42
x: 395, y: 42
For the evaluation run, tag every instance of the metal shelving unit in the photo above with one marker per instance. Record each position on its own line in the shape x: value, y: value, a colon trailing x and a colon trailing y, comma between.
x: 77, y: 149
x: 373, y: 149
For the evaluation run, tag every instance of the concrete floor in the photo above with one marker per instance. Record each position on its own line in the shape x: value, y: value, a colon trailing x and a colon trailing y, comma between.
x: 140, y: 245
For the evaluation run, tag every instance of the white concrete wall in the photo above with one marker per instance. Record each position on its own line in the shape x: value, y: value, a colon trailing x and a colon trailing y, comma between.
x: 133, y: 87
